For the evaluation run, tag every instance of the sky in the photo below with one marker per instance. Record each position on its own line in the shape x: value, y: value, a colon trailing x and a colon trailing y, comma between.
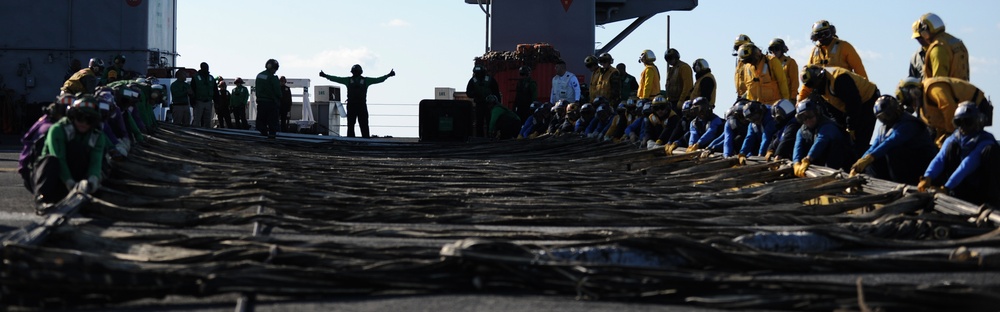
x: 432, y: 43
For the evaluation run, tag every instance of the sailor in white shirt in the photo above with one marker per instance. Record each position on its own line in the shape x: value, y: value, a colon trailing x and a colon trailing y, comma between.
x: 565, y: 85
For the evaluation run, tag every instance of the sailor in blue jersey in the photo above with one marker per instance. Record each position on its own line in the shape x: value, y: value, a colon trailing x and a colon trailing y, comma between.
x: 783, y: 113
x: 820, y: 140
x: 902, y: 147
x: 967, y: 165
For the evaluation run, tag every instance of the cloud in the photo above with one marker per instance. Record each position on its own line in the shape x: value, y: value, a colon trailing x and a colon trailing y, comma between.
x: 396, y: 23
x: 869, y: 55
x: 339, y: 58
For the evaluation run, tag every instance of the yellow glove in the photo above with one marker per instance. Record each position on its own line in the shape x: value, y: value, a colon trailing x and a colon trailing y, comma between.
x: 940, y: 139
x: 924, y: 185
x: 669, y: 148
x: 533, y: 135
x: 659, y: 142
x: 801, y: 167
x: 692, y: 148
x: 861, y: 164
x: 770, y: 153
x: 741, y: 159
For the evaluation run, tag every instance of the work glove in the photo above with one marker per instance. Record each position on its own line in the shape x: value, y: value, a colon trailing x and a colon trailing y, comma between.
x: 768, y: 155
x: 861, y: 164
x: 322, y: 74
x: 692, y: 148
x: 533, y: 135
x: 650, y: 144
x: 852, y: 134
x: 669, y: 148
x: 88, y: 186
x: 940, y: 140
x: 706, y: 154
x: 633, y: 137
x: 392, y: 72
x: 801, y: 167
x: 741, y: 159
x: 122, y: 148
x: 924, y: 185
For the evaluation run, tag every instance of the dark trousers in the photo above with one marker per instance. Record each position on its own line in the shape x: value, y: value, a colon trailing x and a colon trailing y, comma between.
x: 286, y: 116
x: 225, y: 117
x: 267, y: 118
x: 357, y: 113
x: 240, y: 118
x: 48, y: 188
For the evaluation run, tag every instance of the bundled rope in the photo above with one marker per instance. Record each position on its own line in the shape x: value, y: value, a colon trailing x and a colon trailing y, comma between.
x: 599, y: 221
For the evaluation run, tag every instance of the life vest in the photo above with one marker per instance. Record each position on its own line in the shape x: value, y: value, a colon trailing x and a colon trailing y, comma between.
x: 963, y: 91
x: 792, y: 74
x: 760, y: 85
x: 676, y: 80
x: 959, y: 67
x: 73, y: 84
x: 865, y: 88
x: 600, y: 84
x: 697, y: 88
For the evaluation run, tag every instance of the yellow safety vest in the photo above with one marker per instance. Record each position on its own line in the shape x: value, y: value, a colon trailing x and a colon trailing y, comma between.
x: 865, y: 88
x: 959, y: 63
x: 697, y: 88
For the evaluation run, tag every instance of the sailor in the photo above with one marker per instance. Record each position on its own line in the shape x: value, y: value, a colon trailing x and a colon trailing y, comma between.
x: 706, y: 127
x: 902, y: 148
x: 538, y: 122
x: 238, y: 104
x: 504, y: 123
x: 704, y: 81
x: 740, y: 40
x: 602, y: 119
x: 285, y: 107
x: 830, y: 51
x: 760, y: 130
x: 587, y: 114
x: 558, y: 117
x: 761, y: 78
x: 480, y: 86
x: 526, y: 93
x: 936, y: 99
x: 73, y: 154
x: 680, y: 79
x: 778, y: 51
x: 205, y: 90
x: 681, y: 134
x: 115, y: 72
x: 565, y: 85
x: 222, y: 105
x: 820, y: 140
x: 783, y: 113
x: 848, y: 97
x: 180, y: 94
x: 660, y: 117
x: 967, y: 164
x: 268, y: 98
x: 609, y: 80
x: 944, y: 55
x: 629, y: 86
x: 734, y: 131
x: 85, y: 80
x: 649, y: 79
x: 34, y: 139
